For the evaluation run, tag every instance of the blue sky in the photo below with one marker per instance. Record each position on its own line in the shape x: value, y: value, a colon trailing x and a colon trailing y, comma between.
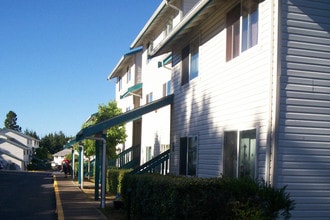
x: 55, y: 56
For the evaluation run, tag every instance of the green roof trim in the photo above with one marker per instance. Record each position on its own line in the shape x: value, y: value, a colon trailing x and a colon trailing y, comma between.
x: 131, y: 90
x: 133, y: 51
x: 125, y: 117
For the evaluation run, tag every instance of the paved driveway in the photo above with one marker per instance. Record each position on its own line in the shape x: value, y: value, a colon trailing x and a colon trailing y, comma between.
x: 27, y: 195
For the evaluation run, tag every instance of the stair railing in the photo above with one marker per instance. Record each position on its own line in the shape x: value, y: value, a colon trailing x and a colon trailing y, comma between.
x: 159, y: 164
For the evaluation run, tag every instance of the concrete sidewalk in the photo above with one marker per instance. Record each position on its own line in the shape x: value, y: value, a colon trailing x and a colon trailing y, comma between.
x: 72, y: 202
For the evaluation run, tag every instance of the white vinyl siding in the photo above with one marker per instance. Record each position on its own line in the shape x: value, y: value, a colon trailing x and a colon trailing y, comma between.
x: 226, y: 96
x: 155, y: 130
x: 303, y: 161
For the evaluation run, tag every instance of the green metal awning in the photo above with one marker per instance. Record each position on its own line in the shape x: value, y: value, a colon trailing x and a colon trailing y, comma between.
x: 125, y: 117
x: 70, y: 143
x: 131, y: 90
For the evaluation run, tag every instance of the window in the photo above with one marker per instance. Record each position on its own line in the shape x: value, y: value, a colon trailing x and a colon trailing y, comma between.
x: 150, y: 47
x: 148, y: 153
x: 189, y: 57
x: 168, y: 28
x: 242, y: 37
x: 120, y: 83
x: 249, y: 24
x: 239, y: 157
x: 193, y: 60
x: 164, y: 147
x: 167, y: 90
x: 129, y: 74
x: 188, y: 155
x: 149, y: 98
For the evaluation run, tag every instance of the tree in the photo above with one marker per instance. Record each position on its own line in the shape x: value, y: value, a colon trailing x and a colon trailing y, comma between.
x: 114, y: 135
x: 48, y: 145
x: 11, y: 121
x: 53, y: 142
x: 31, y: 133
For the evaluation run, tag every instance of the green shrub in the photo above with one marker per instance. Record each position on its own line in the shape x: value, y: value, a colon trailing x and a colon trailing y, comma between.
x: 176, y: 197
x: 114, y: 179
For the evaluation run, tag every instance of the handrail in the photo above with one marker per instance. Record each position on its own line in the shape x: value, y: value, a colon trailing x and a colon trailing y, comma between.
x: 159, y: 164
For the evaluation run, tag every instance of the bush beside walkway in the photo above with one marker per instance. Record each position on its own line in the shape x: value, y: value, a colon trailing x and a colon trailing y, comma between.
x: 178, y: 197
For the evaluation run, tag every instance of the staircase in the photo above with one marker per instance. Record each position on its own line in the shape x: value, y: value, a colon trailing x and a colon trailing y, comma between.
x: 159, y: 164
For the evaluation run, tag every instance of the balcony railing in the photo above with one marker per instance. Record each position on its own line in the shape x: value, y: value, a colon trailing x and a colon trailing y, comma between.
x: 127, y: 159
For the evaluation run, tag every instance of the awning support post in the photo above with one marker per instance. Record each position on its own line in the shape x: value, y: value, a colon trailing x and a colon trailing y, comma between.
x: 81, y: 166
x: 72, y: 163
x: 103, y: 175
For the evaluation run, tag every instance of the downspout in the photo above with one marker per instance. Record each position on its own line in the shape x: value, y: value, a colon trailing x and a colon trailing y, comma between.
x: 274, y: 91
x: 167, y: 2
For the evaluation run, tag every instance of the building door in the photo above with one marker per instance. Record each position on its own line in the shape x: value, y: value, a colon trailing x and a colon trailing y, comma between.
x: 137, y: 126
x: 188, y: 156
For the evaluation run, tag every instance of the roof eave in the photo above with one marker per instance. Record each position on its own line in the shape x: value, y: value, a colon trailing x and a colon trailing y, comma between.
x: 148, y: 24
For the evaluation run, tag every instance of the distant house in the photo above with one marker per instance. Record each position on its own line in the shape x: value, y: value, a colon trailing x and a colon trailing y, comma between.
x: 16, y: 149
x: 59, y: 157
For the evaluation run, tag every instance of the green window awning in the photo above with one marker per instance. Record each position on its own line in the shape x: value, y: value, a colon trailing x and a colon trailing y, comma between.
x: 125, y: 117
x: 131, y: 90
x: 166, y: 61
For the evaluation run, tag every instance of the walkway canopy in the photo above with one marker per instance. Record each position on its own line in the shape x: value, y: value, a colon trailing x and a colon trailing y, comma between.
x: 125, y: 117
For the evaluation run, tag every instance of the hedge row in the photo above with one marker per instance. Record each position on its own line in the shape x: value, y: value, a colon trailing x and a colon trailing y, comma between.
x: 151, y: 196
x: 114, y: 178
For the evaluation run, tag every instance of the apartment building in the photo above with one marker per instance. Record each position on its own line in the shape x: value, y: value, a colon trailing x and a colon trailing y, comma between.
x: 16, y: 149
x: 250, y: 82
x: 140, y: 81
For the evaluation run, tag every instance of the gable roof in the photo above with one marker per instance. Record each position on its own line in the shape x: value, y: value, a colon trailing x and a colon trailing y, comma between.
x: 6, y: 130
x: 123, y: 63
x: 13, y: 142
x: 10, y: 155
x: 63, y: 153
